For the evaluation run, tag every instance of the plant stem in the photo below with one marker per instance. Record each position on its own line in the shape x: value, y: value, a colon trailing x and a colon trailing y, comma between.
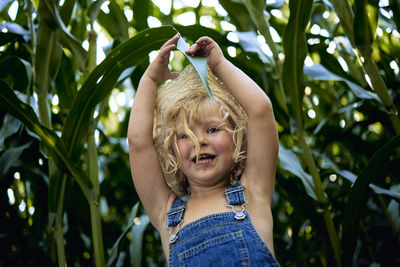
x: 333, y: 237
x: 42, y: 90
x: 93, y: 170
x: 378, y: 85
x: 309, y: 160
x: 257, y: 15
x: 33, y: 44
x: 94, y: 205
x: 369, y: 67
x: 96, y: 234
x: 60, y: 245
x: 59, y: 225
x: 319, y: 192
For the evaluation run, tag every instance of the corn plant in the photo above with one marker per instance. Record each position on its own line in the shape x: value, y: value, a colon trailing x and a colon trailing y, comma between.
x: 330, y: 68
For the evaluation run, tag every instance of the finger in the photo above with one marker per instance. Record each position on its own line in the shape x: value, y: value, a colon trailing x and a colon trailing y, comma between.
x: 168, y: 48
x: 192, y: 50
x: 165, y: 51
x: 173, y: 40
x: 204, y: 40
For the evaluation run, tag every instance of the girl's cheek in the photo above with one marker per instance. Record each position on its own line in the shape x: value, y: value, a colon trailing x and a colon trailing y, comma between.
x: 182, y: 147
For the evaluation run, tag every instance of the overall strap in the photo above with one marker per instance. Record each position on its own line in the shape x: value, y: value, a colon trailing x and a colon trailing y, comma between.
x: 175, y: 214
x: 234, y: 197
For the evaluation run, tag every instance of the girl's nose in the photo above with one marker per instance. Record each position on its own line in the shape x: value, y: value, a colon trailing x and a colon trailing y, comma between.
x: 203, y: 140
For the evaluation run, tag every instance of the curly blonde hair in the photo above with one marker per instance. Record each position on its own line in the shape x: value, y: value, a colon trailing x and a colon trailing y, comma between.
x: 181, y: 99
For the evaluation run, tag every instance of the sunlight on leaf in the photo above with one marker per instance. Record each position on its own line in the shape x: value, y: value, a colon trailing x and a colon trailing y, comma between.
x: 135, y: 248
x: 318, y: 71
x: 292, y: 164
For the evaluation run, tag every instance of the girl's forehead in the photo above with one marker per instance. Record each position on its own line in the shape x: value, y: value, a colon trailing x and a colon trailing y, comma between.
x: 207, y: 109
x: 206, y: 112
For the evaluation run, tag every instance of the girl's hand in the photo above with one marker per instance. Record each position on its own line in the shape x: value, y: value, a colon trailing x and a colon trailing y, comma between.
x: 208, y: 48
x: 158, y: 70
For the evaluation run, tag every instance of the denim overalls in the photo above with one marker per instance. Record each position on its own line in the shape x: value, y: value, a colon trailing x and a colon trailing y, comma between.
x: 223, y: 239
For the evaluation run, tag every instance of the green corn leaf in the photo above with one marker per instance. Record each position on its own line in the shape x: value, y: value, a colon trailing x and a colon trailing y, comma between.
x: 66, y: 10
x: 102, y: 80
x: 94, y: 9
x: 238, y: 14
x: 358, y: 196
x: 10, y: 126
x: 248, y: 41
x: 48, y: 54
x: 13, y: 28
x: 199, y: 64
x: 378, y: 190
x: 114, y: 22
x: 289, y: 162
x: 295, y: 46
x: 362, y: 29
x: 54, y: 21
x: 346, y: 16
x: 10, y: 158
x: 10, y: 103
x: 142, y: 10
x: 116, y: 248
x: 12, y: 67
x: 319, y: 72
x: 373, y: 16
x: 393, y: 207
x: 66, y: 86
x: 135, y: 248
x: 351, y: 177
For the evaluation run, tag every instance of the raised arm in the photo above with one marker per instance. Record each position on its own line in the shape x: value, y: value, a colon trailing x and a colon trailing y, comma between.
x: 262, y: 146
x: 146, y: 170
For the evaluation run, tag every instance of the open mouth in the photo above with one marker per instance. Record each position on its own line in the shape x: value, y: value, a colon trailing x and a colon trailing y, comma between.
x: 204, y: 158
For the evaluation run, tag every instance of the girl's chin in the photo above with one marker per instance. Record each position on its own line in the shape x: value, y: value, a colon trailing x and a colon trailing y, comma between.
x: 207, y: 181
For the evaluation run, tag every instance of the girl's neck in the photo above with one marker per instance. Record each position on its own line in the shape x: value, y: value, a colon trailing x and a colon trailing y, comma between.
x: 201, y: 192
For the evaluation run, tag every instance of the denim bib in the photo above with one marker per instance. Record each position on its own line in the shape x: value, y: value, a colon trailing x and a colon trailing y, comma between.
x: 222, y: 239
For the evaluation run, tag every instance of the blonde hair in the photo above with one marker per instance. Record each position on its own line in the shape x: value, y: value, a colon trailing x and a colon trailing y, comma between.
x: 182, y: 98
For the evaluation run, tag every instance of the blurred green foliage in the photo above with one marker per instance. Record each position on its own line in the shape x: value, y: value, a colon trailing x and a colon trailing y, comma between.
x: 330, y: 68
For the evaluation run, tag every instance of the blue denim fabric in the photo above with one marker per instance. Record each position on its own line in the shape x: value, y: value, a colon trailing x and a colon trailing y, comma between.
x: 235, y: 195
x: 218, y: 239
x: 175, y: 214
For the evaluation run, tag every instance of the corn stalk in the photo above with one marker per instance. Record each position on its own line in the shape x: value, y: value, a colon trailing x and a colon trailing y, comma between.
x: 295, y: 47
x: 361, y: 38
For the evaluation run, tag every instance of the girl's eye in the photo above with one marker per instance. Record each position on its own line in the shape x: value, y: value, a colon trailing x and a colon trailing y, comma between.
x: 182, y: 136
x: 212, y: 130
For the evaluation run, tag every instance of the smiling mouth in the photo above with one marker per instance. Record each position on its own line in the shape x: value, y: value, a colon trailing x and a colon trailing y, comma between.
x: 204, y: 158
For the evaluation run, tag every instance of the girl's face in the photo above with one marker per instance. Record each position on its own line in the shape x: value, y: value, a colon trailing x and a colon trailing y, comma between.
x: 214, y: 162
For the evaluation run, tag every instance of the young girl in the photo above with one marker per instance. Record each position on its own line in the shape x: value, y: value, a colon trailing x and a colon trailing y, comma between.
x: 220, y: 154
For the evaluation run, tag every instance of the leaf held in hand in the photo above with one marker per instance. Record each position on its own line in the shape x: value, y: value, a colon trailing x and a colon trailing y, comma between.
x: 199, y: 64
